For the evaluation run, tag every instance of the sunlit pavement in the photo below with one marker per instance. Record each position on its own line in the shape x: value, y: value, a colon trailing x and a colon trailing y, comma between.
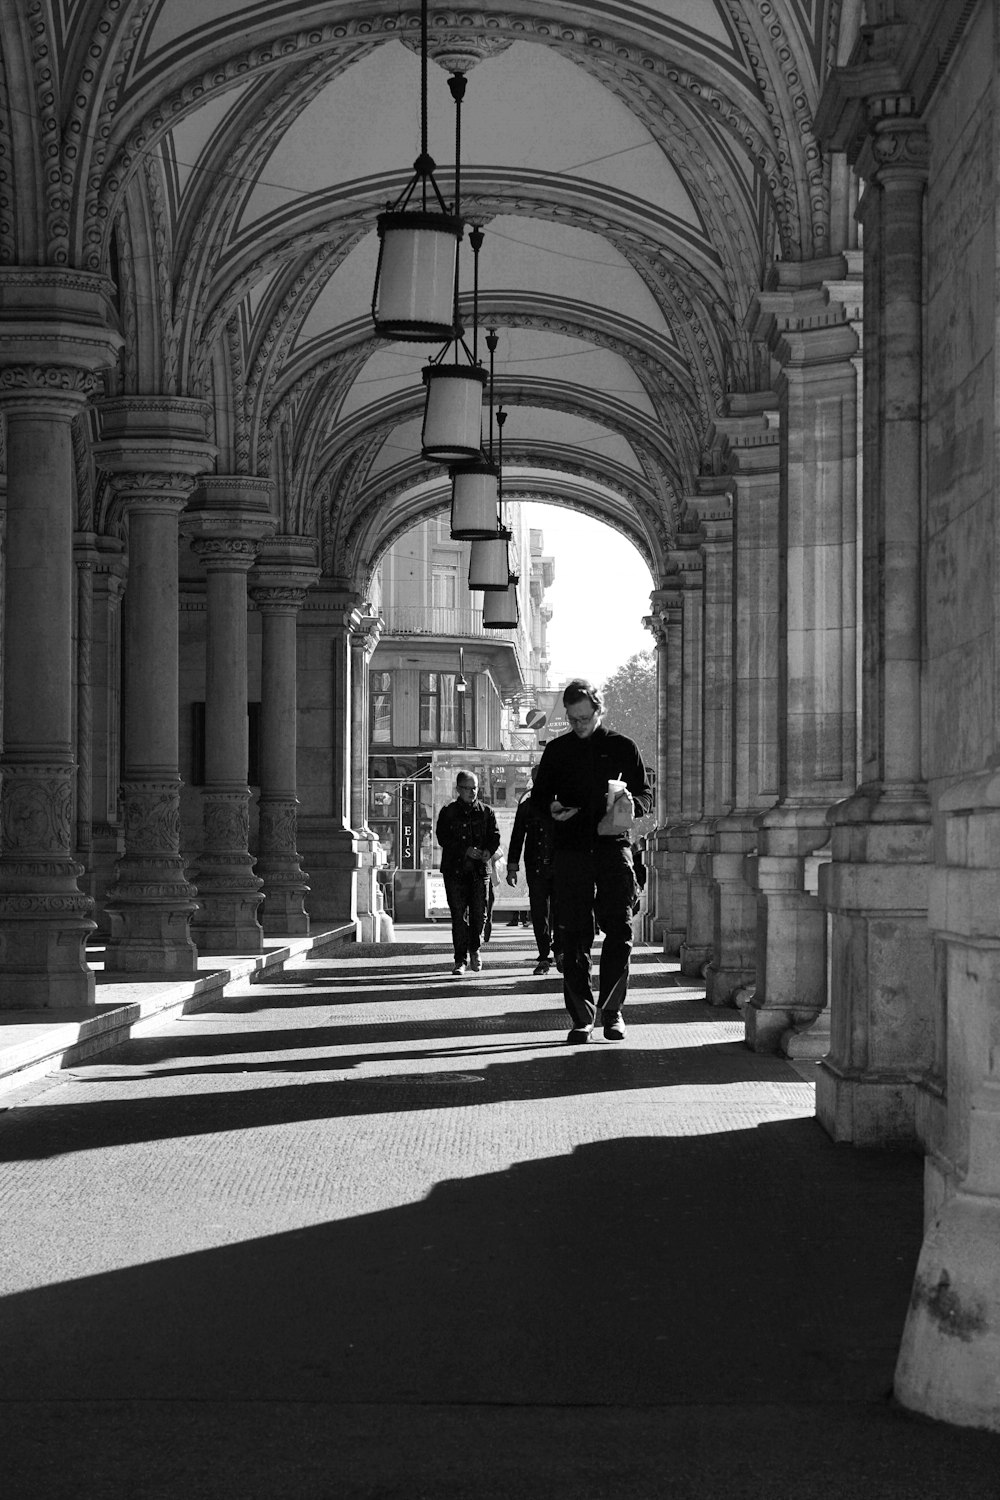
x: 370, y: 1230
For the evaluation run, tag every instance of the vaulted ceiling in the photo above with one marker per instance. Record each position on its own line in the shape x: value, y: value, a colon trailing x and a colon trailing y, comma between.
x: 636, y: 168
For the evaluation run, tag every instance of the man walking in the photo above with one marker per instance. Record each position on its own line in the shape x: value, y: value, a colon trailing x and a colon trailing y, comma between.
x: 469, y: 837
x: 592, y: 858
x: 532, y: 832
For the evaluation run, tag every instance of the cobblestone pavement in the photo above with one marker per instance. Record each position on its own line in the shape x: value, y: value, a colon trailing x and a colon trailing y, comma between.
x: 373, y: 1231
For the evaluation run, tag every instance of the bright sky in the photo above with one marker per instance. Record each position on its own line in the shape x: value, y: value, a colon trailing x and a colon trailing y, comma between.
x: 598, y: 598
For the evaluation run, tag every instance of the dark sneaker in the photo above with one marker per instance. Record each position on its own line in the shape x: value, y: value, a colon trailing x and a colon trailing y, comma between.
x: 475, y: 963
x: 458, y: 969
x: 614, y: 1027
x: 542, y: 967
x: 579, y: 1034
x: 559, y: 962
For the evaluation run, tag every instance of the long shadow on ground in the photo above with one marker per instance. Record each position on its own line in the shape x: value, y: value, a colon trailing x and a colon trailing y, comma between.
x: 764, y: 1268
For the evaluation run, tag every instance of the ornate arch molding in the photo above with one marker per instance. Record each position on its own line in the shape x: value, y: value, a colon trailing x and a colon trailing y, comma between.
x: 790, y: 88
x: 178, y: 95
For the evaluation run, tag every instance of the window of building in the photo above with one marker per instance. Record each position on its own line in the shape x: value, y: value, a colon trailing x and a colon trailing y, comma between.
x: 444, y: 586
x: 441, y: 710
x: 380, y: 691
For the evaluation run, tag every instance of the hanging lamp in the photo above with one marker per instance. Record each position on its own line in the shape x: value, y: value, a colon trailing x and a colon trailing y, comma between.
x: 475, y: 487
x: 500, y: 609
x: 453, y: 408
x: 413, y: 299
x: 489, y: 557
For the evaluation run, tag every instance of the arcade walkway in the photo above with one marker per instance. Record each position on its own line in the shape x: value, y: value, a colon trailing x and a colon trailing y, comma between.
x: 369, y: 1231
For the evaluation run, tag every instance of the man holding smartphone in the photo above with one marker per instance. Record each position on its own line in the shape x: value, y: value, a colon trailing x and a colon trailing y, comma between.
x: 592, y: 868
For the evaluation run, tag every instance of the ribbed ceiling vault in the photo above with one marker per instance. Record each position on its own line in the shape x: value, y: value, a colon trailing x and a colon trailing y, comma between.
x: 637, y: 167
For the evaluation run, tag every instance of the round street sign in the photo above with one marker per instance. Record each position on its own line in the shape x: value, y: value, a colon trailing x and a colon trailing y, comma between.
x: 535, y: 718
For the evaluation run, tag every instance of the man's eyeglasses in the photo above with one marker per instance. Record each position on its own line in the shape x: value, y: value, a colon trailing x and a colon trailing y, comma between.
x: 581, y: 718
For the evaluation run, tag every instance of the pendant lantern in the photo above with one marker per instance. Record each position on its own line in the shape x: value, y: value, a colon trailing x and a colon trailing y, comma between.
x: 489, y: 562
x: 500, y: 609
x: 414, y: 295
x: 453, y: 413
x: 453, y: 409
x: 475, y: 503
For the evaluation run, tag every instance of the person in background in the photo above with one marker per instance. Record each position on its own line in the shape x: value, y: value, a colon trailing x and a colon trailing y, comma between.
x: 592, y: 869
x: 469, y: 837
x: 532, y: 832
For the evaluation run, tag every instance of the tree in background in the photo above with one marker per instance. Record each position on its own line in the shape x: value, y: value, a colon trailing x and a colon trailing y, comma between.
x: 630, y: 702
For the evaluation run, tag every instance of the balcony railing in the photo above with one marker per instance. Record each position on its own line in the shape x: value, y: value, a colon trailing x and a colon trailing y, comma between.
x: 425, y: 619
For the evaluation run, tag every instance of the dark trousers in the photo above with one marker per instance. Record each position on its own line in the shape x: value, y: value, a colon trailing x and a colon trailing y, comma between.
x: 589, y: 883
x: 466, y: 892
x: 544, y: 920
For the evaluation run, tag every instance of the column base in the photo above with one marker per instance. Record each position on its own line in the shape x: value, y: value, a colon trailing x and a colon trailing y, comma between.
x: 43, y: 937
x: 950, y: 1353
x: 694, y: 959
x: 226, y: 921
x: 723, y: 985
x: 153, y: 938
x: 866, y: 1108
x: 284, y: 912
x: 331, y: 855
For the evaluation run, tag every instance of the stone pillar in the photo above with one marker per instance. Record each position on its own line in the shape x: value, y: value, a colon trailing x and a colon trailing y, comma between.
x: 227, y: 519
x: 331, y: 848
x: 656, y: 904
x: 749, y: 432
x: 108, y: 567
x: 285, y: 569
x: 809, y: 336
x: 950, y: 1353
x: 692, y: 836
x: 877, y: 886
x: 153, y: 448
x: 717, y: 778
x: 364, y: 638
x: 55, y: 331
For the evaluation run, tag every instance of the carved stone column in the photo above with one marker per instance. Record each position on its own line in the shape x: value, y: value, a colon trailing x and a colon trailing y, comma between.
x: 671, y: 901
x: 656, y: 624
x: 228, y: 519
x: 153, y: 448
x: 693, y: 834
x: 108, y: 567
x: 715, y: 507
x: 877, y: 887
x: 285, y: 569
x: 364, y: 639
x: 55, y: 331
x: 331, y: 847
x: 749, y: 433
x: 810, y: 337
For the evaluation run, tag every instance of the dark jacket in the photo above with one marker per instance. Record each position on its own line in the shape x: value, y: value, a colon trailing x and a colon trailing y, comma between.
x: 576, y: 773
x: 532, y: 831
x: 463, y: 825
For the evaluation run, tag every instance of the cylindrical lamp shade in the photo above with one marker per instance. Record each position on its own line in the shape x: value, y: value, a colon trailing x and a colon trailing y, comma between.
x: 453, y: 413
x: 415, y: 281
x: 489, y: 562
x: 500, y: 610
x: 475, y: 502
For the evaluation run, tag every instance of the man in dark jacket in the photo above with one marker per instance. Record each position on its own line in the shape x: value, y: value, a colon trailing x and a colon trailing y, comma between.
x: 468, y: 834
x: 592, y: 870
x: 532, y: 831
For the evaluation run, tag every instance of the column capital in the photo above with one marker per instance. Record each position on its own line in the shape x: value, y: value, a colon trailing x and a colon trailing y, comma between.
x: 229, y: 509
x: 154, y: 447
x: 277, y: 599
x: 225, y: 554
x: 57, y: 329
x: 657, y: 627
x: 285, y: 562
